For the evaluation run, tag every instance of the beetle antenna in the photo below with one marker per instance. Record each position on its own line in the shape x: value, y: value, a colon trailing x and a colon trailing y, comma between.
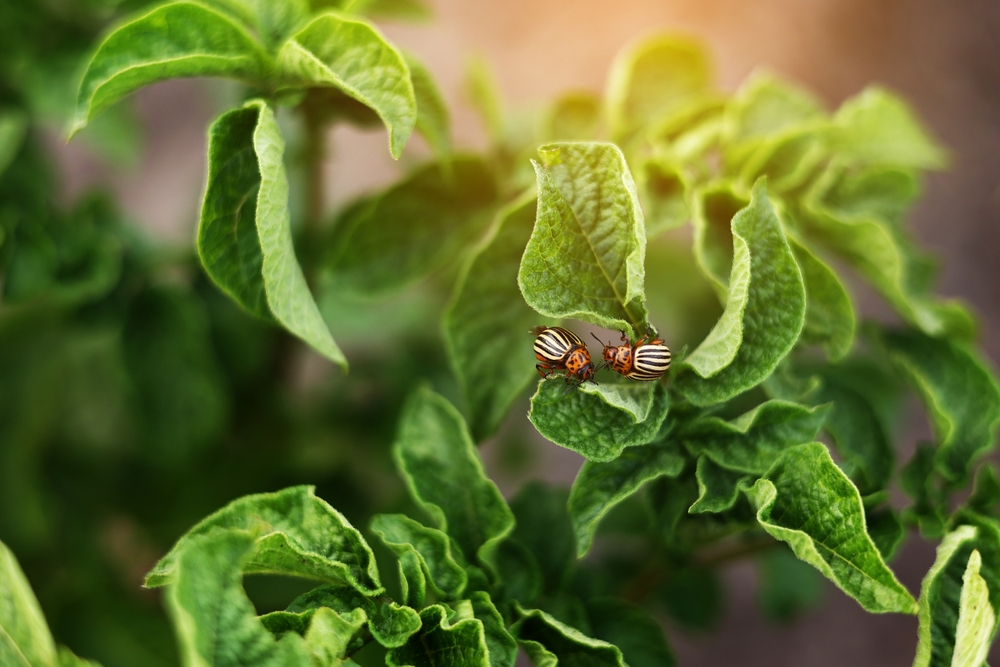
x: 599, y: 340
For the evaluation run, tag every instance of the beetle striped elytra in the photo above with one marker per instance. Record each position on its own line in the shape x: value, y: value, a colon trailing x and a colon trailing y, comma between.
x: 559, y: 349
x: 643, y: 361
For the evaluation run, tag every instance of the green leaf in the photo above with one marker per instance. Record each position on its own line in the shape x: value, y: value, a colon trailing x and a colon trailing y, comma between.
x: 654, y: 78
x: 352, y: 56
x: 918, y: 480
x: 443, y: 642
x: 13, y: 130
x: 985, y: 497
x: 390, y: 624
x: 486, y: 322
x: 752, y: 442
x: 885, y: 529
x: 858, y: 434
x: 573, y: 117
x: 764, y: 314
x: 877, y: 128
x: 543, y: 527
x: 714, y: 208
x: 951, y: 591
x: 856, y: 214
x: 68, y: 659
x: 484, y: 94
x: 584, y: 259
x: 549, y: 642
x: 412, y: 579
x: 179, y: 39
x: 718, y: 488
x: 330, y: 633
x: 764, y: 107
x: 25, y: 640
x: 599, y: 421
x: 168, y: 354
x: 414, y: 227
x: 441, y: 468
x: 245, y: 237
x: 830, y: 319
x: 433, y: 121
x: 214, y: 620
x: 787, y: 585
x: 693, y: 596
x: 806, y: 501
x: 790, y: 159
x: 272, y: 21
x: 519, y: 571
x: 500, y: 644
x: 960, y: 394
x: 976, y: 618
x: 663, y: 189
x: 431, y: 547
x: 296, y: 533
x: 630, y: 628
x: 600, y: 486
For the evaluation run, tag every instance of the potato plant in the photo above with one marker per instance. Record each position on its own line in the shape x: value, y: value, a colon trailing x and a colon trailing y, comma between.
x: 735, y: 225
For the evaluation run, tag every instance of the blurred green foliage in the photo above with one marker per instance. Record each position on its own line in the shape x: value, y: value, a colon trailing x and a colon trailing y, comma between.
x: 143, y: 386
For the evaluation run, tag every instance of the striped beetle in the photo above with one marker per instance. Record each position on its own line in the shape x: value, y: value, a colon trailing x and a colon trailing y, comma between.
x: 560, y: 349
x: 645, y: 360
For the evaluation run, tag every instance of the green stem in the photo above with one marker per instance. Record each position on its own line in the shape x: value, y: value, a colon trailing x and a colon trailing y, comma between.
x: 313, y: 157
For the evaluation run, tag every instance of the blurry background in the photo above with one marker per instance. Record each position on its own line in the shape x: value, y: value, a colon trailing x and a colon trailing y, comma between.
x: 315, y: 427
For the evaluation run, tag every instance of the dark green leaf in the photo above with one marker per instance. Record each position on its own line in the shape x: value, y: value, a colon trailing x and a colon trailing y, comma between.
x: 752, y: 442
x: 13, y: 129
x: 918, y: 480
x: 788, y: 586
x: 600, y: 486
x: 599, y: 421
x: 654, y: 78
x: 351, y: 55
x: 171, y: 364
x: 443, y: 642
x: 179, y: 39
x: 985, y: 497
x: 245, y: 237
x: 25, y: 640
x: 329, y: 635
x: 433, y: 121
x: 693, y: 597
x: 885, y: 529
x: 391, y: 624
x: 215, y: 622
x: 519, y: 571
x: 718, y: 488
x: 442, y: 469
x: 764, y: 313
x: 549, y: 643
x: 949, y: 592
x: 487, y: 322
x: 858, y: 433
x: 543, y: 526
x: 412, y: 579
x: 414, y: 227
x: 296, y: 534
x: 638, y: 635
x: 806, y: 501
x: 430, y: 546
x: 68, y: 659
x: 585, y: 256
x: 960, y: 394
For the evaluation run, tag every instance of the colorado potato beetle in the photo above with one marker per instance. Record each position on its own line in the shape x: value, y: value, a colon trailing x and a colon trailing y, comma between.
x: 559, y: 349
x: 645, y: 360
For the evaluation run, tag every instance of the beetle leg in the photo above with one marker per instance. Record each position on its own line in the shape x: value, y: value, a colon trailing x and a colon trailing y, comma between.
x: 544, y: 370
